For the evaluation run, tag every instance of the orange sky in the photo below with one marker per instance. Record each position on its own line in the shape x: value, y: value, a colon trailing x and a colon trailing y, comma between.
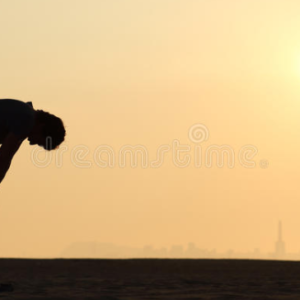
x: 142, y: 73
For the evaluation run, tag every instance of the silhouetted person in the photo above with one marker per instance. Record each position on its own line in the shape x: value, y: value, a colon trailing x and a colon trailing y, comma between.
x: 20, y: 121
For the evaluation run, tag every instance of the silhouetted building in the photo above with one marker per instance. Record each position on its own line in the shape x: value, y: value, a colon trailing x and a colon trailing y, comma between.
x: 280, y: 245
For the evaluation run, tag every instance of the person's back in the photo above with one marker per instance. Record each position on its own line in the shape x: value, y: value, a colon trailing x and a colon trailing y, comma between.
x: 16, y: 117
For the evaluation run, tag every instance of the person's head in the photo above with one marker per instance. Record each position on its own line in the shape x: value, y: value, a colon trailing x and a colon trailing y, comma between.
x: 48, y: 132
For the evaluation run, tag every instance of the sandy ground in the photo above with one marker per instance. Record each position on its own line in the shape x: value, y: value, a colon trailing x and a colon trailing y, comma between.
x: 150, y: 279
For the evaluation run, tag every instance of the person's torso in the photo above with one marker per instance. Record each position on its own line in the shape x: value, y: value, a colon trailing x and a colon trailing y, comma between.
x: 17, y: 117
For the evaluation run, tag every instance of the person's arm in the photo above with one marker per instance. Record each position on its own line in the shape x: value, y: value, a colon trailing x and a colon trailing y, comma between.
x: 8, y: 149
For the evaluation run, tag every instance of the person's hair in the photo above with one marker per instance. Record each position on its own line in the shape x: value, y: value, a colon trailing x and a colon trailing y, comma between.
x: 53, y: 130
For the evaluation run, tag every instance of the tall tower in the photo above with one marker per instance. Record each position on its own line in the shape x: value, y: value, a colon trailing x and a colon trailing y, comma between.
x: 280, y: 245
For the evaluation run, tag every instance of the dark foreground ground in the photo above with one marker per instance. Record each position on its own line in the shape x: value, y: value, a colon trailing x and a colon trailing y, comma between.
x: 149, y: 279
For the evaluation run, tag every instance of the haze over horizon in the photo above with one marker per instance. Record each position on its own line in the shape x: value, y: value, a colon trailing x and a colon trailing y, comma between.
x: 144, y: 73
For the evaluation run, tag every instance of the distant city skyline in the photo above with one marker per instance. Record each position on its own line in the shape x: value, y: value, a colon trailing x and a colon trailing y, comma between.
x: 108, y: 250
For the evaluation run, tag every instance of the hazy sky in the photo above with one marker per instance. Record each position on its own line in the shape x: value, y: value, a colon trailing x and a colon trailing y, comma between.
x: 143, y: 73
